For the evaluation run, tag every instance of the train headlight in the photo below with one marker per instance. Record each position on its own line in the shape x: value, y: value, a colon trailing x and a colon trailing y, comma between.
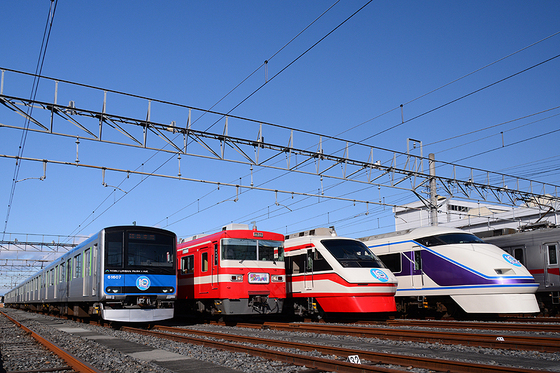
x: 277, y: 278
x: 168, y: 290
x: 113, y: 289
x: 236, y: 278
x: 504, y: 271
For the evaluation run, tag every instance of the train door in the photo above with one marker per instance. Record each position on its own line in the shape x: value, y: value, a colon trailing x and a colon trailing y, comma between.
x: 94, y: 269
x: 308, y: 270
x: 87, y: 273
x: 416, y: 268
x: 55, y: 281
x: 551, y: 271
x: 203, y: 275
x: 214, y: 267
x: 68, y: 276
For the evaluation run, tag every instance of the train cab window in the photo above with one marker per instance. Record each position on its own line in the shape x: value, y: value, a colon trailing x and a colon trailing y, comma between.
x: 271, y: 250
x: 449, y: 239
x: 187, y: 264
x: 149, y: 250
x: 204, y: 262
x: 251, y: 249
x: 113, y: 250
x: 552, y: 257
x: 392, y: 261
x: 352, y: 253
x: 239, y: 249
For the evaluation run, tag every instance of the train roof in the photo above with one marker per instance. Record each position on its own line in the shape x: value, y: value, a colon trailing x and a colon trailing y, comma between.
x: 413, y: 233
x: 233, y: 233
x: 512, y: 235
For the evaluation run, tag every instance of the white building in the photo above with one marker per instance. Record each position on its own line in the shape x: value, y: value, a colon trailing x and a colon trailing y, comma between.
x: 474, y: 216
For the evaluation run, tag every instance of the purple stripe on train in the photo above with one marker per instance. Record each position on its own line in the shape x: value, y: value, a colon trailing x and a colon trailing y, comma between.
x: 447, y: 273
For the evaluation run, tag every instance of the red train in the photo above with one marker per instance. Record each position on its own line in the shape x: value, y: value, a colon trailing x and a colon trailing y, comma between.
x: 235, y: 271
x: 330, y: 274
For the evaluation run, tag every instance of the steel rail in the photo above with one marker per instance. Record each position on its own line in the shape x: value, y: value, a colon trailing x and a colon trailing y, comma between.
x: 286, y: 357
x: 375, y: 357
x: 512, y: 342
x: 505, y: 326
x: 75, y: 363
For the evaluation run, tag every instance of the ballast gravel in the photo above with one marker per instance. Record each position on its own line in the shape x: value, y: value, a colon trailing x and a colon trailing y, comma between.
x: 109, y: 360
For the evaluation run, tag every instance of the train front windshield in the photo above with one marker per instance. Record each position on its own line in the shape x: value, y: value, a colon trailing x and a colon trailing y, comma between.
x: 449, y: 239
x: 129, y: 250
x: 350, y: 253
x: 250, y: 249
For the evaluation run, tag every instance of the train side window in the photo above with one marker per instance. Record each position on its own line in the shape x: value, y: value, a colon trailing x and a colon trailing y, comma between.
x: 296, y: 264
x: 187, y: 264
x: 69, y: 270
x: 320, y: 263
x: 392, y: 261
x: 204, y: 262
x: 417, y: 260
x: 87, y: 260
x: 78, y: 266
x: 114, y: 250
x: 62, y: 272
x: 518, y: 254
x: 552, y: 257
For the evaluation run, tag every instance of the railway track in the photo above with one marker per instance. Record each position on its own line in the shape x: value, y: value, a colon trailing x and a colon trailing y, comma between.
x: 372, y: 361
x: 512, y: 342
x: 62, y: 361
x: 319, y: 350
x: 501, y: 341
x: 502, y: 326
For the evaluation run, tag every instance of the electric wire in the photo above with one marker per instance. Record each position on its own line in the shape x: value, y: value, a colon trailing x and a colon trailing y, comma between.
x: 451, y: 82
x: 462, y: 97
x: 489, y: 127
x: 460, y: 78
x: 497, y: 134
x: 266, y: 62
x: 210, y: 109
x: 297, y: 58
x: 508, y: 145
x: 33, y: 95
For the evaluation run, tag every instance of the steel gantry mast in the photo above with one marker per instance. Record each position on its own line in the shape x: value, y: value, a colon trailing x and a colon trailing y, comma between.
x: 368, y: 164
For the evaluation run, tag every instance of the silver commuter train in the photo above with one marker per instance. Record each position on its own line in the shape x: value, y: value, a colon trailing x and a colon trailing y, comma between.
x: 538, y: 249
x: 124, y: 274
x: 451, y: 271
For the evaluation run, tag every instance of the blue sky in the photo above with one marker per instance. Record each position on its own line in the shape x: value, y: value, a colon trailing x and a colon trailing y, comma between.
x: 349, y: 85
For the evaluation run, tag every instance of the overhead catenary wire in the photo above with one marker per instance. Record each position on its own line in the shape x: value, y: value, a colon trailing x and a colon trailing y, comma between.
x: 461, y: 97
x: 34, y: 89
x: 460, y: 78
x: 210, y: 109
x: 449, y: 83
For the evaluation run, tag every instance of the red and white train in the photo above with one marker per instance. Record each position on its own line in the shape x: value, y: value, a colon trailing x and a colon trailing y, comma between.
x: 236, y: 271
x: 330, y: 274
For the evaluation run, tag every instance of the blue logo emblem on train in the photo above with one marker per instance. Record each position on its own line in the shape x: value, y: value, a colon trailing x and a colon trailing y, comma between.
x: 143, y: 283
x: 511, y: 260
x: 379, y: 274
